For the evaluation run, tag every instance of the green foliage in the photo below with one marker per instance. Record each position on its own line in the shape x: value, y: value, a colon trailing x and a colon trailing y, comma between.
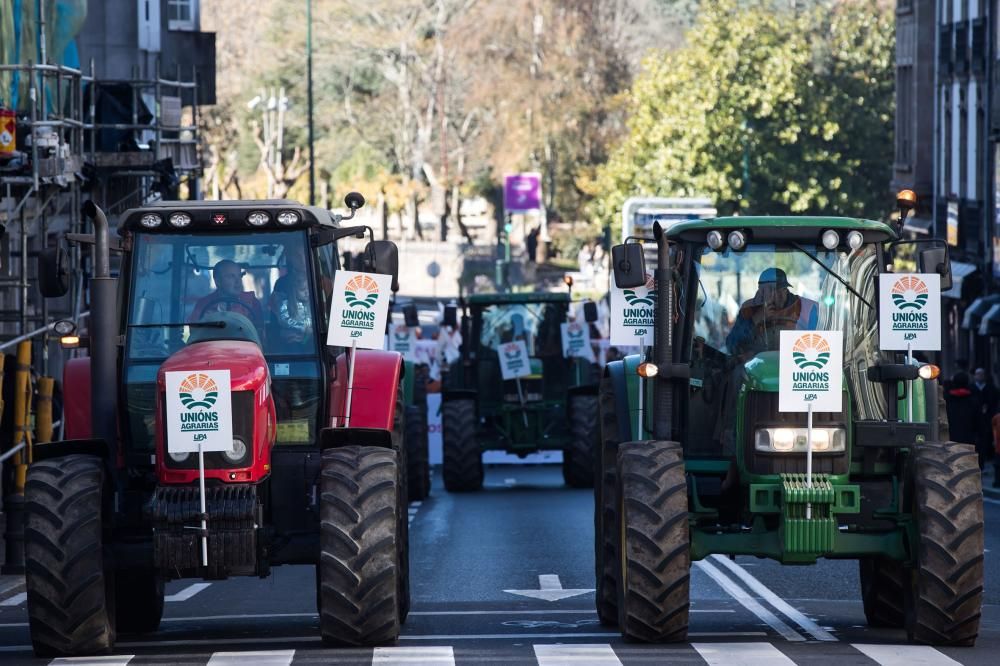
x: 800, y: 100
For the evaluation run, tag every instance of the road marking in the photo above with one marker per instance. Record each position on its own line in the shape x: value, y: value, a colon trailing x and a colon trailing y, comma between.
x: 549, y: 589
x: 576, y: 655
x: 741, y: 654
x: 111, y: 660
x: 15, y: 600
x: 904, y: 655
x: 261, y: 658
x: 414, y: 656
x: 510, y: 483
x: 187, y: 592
x: 792, y: 613
x: 748, y: 602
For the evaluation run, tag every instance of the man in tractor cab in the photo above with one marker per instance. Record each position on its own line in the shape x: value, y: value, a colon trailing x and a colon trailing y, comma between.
x: 229, y: 296
x: 773, y: 308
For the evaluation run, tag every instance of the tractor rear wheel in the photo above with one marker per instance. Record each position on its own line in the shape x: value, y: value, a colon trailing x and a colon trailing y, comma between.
x: 418, y: 464
x: 945, y: 596
x: 654, y: 594
x: 399, y: 425
x: 578, y: 456
x: 882, y: 584
x: 70, y: 581
x: 138, y: 600
x: 463, y: 460
x: 359, y: 566
x: 606, y: 528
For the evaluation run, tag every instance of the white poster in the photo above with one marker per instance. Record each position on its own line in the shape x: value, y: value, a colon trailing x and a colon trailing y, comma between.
x: 360, y: 309
x: 199, y: 411
x: 910, y: 311
x: 403, y: 339
x: 632, y: 312
x: 514, y: 361
x: 576, y: 341
x: 810, y: 371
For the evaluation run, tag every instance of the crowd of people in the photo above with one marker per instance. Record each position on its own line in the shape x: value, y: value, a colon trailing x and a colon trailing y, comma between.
x: 974, y: 416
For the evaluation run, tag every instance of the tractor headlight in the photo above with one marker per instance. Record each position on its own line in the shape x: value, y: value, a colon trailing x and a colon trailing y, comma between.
x: 180, y: 220
x: 715, y: 239
x: 238, y: 452
x: 258, y: 218
x: 288, y: 218
x: 831, y: 239
x: 855, y: 240
x: 151, y: 220
x: 737, y: 240
x: 178, y: 456
x: 793, y: 440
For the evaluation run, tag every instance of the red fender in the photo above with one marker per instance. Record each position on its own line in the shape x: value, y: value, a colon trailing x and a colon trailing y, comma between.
x: 76, y: 398
x: 376, y: 383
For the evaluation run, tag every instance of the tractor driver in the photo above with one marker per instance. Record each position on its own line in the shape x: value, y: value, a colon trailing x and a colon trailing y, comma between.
x: 229, y: 296
x: 773, y: 308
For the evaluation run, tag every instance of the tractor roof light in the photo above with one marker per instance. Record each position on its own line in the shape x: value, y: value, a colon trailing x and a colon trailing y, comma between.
x: 64, y: 327
x: 150, y: 220
x: 288, y: 217
x: 715, y: 239
x: 831, y: 239
x: 180, y: 220
x: 258, y: 218
x: 648, y: 370
x: 855, y: 239
x: 929, y: 371
x: 737, y: 239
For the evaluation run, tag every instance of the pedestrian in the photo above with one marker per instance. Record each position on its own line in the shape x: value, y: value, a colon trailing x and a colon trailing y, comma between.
x: 986, y: 396
x: 996, y: 450
x: 531, y: 244
x: 962, y: 408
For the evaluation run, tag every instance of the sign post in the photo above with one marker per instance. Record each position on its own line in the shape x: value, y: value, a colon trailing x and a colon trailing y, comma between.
x: 910, y: 317
x: 514, y: 364
x: 199, y: 419
x: 358, y: 316
x: 633, y: 313
x: 810, y: 379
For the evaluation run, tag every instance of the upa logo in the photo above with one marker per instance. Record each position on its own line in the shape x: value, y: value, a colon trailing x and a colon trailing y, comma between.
x: 511, y: 351
x: 811, y: 354
x: 198, y: 394
x: 361, y: 292
x: 909, y: 296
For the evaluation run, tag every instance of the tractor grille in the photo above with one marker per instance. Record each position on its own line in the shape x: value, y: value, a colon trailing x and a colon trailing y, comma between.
x: 532, y: 389
x: 762, y: 412
x: 243, y: 413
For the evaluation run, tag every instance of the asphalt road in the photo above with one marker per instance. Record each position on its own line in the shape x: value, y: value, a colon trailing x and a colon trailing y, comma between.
x: 527, y: 532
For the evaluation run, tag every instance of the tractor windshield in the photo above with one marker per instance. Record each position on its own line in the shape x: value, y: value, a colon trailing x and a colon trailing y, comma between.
x: 535, y: 323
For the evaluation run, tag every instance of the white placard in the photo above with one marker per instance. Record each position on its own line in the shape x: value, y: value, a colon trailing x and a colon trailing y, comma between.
x: 514, y: 361
x: 199, y: 411
x: 403, y: 339
x: 632, y: 313
x: 811, y: 371
x: 360, y: 309
x: 576, y: 341
x: 910, y: 311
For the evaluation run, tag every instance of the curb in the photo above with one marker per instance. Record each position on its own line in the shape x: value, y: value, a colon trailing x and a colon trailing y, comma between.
x: 11, y: 586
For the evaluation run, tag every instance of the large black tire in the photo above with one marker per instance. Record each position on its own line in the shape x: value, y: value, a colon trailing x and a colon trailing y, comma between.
x: 359, y: 567
x: 138, y: 601
x: 418, y: 465
x: 945, y: 596
x: 578, y: 456
x: 882, y: 592
x: 654, y: 593
x: 70, y: 581
x: 399, y: 425
x: 606, y: 527
x: 463, y: 459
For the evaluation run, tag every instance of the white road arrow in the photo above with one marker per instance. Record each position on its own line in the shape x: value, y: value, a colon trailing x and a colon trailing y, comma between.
x: 549, y: 589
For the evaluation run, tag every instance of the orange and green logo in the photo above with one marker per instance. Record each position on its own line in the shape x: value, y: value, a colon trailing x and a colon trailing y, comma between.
x: 198, y: 390
x: 811, y: 351
x: 361, y: 292
x: 909, y: 293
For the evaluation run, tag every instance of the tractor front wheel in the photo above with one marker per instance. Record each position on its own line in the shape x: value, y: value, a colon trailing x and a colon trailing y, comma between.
x: 69, y: 577
x: 944, y: 599
x: 418, y: 465
x: 606, y: 527
x: 882, y: 583
x: 654, y: 591
x: 138, y: 600
x: 463, y: 460
x: 578, y: 456
x: 359, y: 568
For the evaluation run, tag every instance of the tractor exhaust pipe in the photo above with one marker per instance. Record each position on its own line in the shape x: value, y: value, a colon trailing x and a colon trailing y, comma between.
x: 663, y: 339
x: 103, y: 336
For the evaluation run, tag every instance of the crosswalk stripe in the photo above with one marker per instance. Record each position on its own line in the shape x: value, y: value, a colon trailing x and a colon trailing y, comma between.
x: 257, y: 658
x: 187, y: 592
x: 576, y: 655
x: 414, y: 656
x: 905, y: 655
x: 741, y: 654
x: 15, y: 600
x: 110, y: 660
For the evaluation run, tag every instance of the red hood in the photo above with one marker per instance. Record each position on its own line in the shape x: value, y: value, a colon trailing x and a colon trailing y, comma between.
x: 244, y: 360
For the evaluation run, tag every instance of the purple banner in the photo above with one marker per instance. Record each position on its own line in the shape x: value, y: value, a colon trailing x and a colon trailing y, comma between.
x: 522, y: 192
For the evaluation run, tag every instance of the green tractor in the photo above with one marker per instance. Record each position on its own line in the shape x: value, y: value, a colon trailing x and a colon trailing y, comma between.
x: 705, y: 463
x: 553, y: 407
x: 415, y: 378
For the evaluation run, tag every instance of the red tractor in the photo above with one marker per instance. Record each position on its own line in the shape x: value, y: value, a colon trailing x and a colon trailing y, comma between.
x: 241, y: 288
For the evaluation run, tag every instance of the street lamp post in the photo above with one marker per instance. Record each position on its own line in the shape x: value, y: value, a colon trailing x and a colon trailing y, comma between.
x: 309, y: 97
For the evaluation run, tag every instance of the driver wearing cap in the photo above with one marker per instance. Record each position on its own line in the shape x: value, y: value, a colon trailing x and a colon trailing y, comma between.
x: 773, y: 308
x: 229, y: 295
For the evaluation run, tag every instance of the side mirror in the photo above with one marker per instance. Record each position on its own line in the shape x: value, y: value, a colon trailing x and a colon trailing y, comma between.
x: 410, y: 317
x: 53, y: 272
x: 450, y: 316
x: 935, y: 260
x: 354, y: 200
x: 629, y: 265
x: 590, y: 312
x: 382, y: 256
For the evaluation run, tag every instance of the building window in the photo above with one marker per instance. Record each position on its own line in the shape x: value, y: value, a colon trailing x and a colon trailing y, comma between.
x: 904, y: 116
x: 182, y: 14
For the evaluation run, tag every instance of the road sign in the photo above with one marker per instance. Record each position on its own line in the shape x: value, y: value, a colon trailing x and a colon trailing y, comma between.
x: 522, y: 192
x: 514, y: 361
x: 632, y: 312
x: 576, y: 341
x: 403, y: 340
x: 359, y: 310
x: 199, y: 411
x: 910, y: 311
x: 810, y: 371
